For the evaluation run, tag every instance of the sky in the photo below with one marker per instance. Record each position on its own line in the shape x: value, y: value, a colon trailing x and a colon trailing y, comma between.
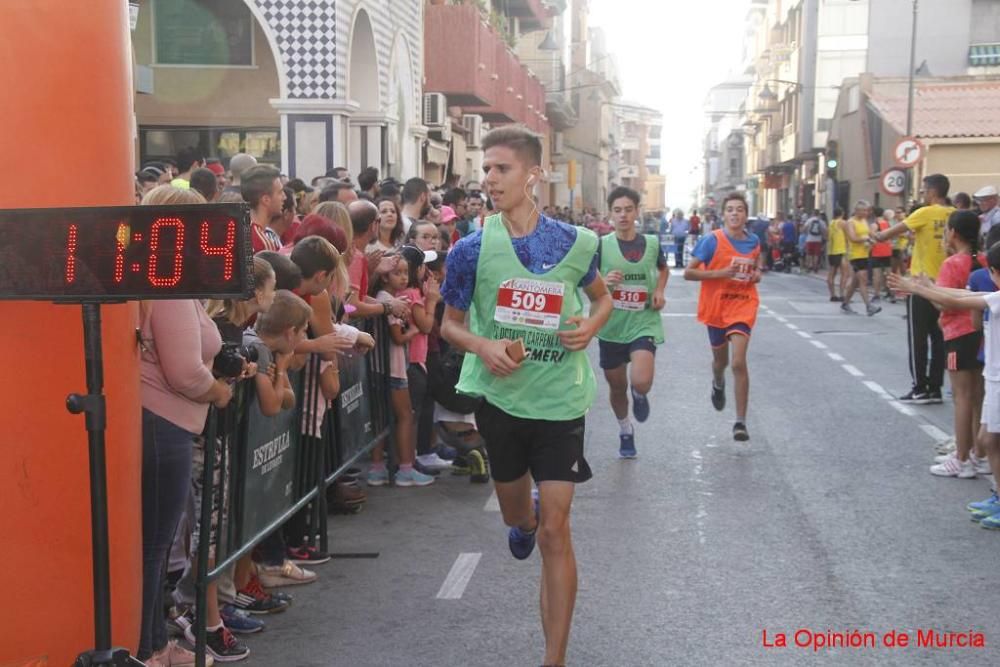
x: 669, y: 53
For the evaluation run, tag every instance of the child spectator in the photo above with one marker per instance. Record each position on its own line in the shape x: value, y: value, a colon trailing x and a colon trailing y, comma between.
x: 394, y: 285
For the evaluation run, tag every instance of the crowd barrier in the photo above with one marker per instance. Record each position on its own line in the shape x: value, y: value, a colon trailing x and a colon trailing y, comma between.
x: 271, y: 468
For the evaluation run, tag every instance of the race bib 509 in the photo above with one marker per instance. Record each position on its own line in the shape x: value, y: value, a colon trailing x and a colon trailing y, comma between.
x: 527, y: 302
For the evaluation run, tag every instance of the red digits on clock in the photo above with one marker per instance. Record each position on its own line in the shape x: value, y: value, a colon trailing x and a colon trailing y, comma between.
x: 71, y: 255
x: 154, y: 251
x: 227, y: 251
x: 121, y: 238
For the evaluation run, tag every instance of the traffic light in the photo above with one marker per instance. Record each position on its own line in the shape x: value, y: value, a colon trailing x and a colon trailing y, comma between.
x: 832, y: 159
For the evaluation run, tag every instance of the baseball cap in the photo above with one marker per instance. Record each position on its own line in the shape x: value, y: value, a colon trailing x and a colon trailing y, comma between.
x: 216, y: 168
x: 412, y: 253
x: 448, y: 214
x: 988, y: 191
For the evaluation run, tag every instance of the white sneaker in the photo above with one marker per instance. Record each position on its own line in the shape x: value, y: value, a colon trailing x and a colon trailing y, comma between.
x: 433, y: 461
x: 286, y: 574
x: 946, y: 446
x: 982, y: 466
x: 952, y: 467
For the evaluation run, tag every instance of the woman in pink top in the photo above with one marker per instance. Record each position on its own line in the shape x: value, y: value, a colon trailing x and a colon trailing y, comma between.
x: 961, y: 343
x: 178, y: 343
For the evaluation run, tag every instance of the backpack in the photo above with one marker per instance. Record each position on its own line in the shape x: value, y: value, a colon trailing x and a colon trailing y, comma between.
x: 816, y: 227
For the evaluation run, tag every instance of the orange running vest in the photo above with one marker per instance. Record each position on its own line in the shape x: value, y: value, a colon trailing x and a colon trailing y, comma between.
x: 884, y: 248
x: 727, y: 301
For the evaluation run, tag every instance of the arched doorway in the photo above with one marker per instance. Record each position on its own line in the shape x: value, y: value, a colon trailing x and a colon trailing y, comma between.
x: 362, y: 81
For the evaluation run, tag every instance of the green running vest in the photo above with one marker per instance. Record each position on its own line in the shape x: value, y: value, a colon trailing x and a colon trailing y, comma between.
x: 633, y: 316
x: 509, y: 301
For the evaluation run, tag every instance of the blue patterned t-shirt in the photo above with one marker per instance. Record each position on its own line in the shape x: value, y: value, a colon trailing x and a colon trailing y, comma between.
x: 539, y: 251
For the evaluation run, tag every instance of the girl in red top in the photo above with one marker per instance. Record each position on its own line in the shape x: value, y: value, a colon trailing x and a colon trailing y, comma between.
x: 727, y: 261
x: 961, y: 343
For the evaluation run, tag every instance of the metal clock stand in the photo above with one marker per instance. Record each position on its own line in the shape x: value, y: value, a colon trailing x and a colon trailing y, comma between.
x: 94, y: 408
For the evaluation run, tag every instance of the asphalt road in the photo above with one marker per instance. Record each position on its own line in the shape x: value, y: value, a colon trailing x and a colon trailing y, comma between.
x: 827, y: 520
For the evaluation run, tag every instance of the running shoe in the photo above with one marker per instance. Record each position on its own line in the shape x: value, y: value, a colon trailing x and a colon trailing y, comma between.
x: 521, y: 543
x: 740, y: 433
x: 873, y: 310
x: 916, y: 395
x: 413, y: 477
x: 640, y: 406
x: 377, y: 477
x: 991, y: 522
x: 240, y: 622
x: 173, y: 654
x: 307, y: 555
x: 224, y: 647
x: 434, y: 462
x: 946, y: 446
x: 255, y: 600
x: 719, y: 397
x: 952, y: 467
x: 286, y: 574
x: 984, y: 508
x: 982, y: 465
x: 846, y: 309
x: 626, y: 450
x: 934, y: 397
x: 836, y: 299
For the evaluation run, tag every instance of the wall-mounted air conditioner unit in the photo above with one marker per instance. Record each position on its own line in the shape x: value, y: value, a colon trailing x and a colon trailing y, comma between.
x: 435, y: 110
x: 558, y: 144
x: 474, y: 126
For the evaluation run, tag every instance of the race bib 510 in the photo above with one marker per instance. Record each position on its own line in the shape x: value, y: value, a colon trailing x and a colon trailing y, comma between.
x: 630, y: 297
x: 744, y: 267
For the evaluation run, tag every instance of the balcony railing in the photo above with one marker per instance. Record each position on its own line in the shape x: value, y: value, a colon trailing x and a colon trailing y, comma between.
x: 479, y: 72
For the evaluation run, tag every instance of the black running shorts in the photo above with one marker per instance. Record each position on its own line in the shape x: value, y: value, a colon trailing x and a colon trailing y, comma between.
x: 615, y: 355
x: 962, y: 353
x: 552, y: 451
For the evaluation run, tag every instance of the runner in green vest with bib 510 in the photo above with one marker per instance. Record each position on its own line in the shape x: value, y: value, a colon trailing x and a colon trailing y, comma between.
x: 635, y: 269
x: 511, y: 296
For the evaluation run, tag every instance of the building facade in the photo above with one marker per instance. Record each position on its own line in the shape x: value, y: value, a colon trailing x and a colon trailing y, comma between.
x: 303, y: 84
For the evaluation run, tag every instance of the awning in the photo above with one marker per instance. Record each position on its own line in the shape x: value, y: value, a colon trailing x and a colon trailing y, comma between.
x: 437, y: 152
x: 982, y: 55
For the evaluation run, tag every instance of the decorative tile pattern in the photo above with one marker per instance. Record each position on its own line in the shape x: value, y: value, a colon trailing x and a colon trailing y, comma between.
x: 304, y: 30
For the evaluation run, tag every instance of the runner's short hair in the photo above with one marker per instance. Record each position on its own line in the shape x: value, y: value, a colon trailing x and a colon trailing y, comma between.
x: 256, y: 182
x: 622, y: 191
x: 314, y: 254
x: 287, y: 312
x: 939, y: 183
x: 735, y: 196
x: 519, y: 139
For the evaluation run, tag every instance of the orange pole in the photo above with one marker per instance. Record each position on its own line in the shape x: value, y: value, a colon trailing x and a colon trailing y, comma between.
x: 65, y: 77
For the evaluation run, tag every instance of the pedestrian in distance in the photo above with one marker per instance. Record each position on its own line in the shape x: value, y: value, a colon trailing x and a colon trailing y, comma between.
x: 728, y: 264
x: 859, y: 239
x: 511, y: 303
x: 635, y: 269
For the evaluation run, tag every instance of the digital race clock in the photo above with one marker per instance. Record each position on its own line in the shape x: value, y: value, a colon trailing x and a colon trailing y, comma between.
x: 124, y: 253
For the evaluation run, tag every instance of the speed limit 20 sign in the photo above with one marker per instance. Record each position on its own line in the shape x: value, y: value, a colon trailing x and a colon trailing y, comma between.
x: 893, y: 181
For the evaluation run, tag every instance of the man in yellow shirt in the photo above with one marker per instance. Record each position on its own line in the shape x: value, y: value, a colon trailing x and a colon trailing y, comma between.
x: 835, y: 256
x: 927, y: 224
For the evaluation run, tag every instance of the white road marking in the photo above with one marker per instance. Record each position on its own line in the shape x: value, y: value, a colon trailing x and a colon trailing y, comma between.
x: 781, y: 319
x: 492, y: 503
x: 792, y: 327
x: 937, y: 434
x: 834, y: 356
x: 878, y: 389
x: 803, y: 334
x: 904, y: 409
x: 459, y: 576
x: 818, y: 344
x: 852, y: 370
x: 702, y: 511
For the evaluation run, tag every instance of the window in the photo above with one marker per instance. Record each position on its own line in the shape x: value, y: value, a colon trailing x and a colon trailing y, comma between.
x: 263, y: 143
x: 874, y: 122
x: 203, y: 32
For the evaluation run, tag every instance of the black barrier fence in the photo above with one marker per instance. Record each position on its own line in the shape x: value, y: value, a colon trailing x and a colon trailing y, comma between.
x: 259, y: 472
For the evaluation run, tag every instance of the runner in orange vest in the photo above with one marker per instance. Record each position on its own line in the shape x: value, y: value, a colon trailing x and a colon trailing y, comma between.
x: 728, y: 262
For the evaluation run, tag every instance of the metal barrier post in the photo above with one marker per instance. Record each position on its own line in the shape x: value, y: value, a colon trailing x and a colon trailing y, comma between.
x: 205, y: 538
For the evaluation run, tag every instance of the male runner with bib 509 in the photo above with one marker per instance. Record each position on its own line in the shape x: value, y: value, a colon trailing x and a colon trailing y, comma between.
x: 728, y: 301
x: 517, y: 279
x: 635, y: 269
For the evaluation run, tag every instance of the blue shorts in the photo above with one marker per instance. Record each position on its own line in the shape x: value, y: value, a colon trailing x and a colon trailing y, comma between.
x: 719, y: 337
x: 398, y: 383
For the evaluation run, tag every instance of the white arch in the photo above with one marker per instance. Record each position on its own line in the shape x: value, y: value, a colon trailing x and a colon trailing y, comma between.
x: 368, y: 94
x: 402, y: 91
x: 279, y: 60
